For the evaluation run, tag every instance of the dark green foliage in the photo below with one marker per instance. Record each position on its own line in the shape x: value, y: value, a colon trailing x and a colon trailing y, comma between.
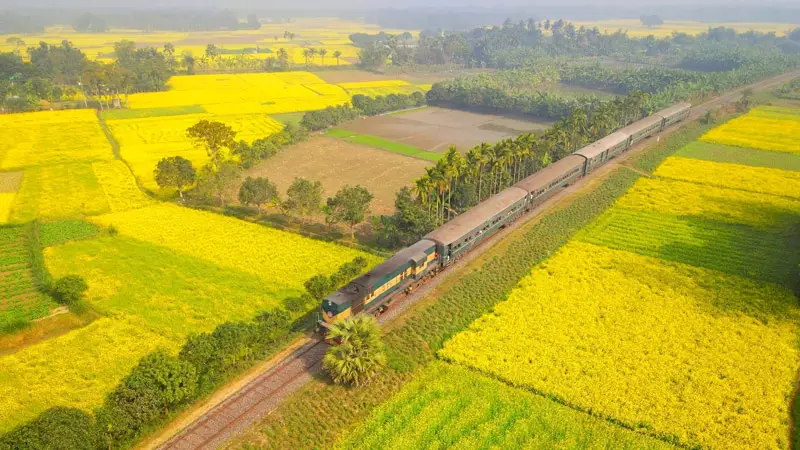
x: 362, y: 106
x: 57, y: 428
x: 359, y: 354
x: 176, y: 172
x: 55, y: 233
x: 349, y: 205
x: 791, y: 89
x: 409, y: 223
x: 318, y: 286
x: 69, y: 290
x: 14, y: 325
x: 258, y: 192
x: 304, y: 198
x: 41, y: 275
x: 157, y: 383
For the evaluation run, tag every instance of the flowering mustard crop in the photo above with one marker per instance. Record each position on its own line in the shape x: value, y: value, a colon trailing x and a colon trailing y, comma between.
x: 764, y: 128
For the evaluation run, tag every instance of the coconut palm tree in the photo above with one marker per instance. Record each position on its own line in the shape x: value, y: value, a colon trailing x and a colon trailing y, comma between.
x: 322, y: 53
x: 360, y: 353
x: 337, y: 54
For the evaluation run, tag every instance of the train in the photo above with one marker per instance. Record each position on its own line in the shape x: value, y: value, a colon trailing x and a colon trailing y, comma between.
x: 372, y: 292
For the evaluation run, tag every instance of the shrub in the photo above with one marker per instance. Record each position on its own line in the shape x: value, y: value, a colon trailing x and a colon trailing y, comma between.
x: 57, y: 428
x: 360, y: 353
x: 69, y: 290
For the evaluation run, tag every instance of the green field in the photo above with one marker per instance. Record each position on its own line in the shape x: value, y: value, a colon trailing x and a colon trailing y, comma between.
x: 20, y: 299
x: 737, y: 155
x: 118, y: 114
x: 383, y: 144
x: 288, y: 118
x: 452, y: 407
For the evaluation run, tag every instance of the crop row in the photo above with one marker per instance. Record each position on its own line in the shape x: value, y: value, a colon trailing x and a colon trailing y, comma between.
x: 765, y: 129
x: 734, y: 176
x: 20, y: 300
x: 119, y: 186
x: 738, y: 250
x: 452, y: 407
x: 708, y: 151
x: 679, y: 198
x: 313, y: 417
x: 691, y: 355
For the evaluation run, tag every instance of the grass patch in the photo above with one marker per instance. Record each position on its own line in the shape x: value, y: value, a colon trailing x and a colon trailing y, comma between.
x: 288, y: 118
x: 452, y: 407
x: 383, y: 144
x: 653, y: 157
x: 708, y: 151
x: 55, y: 233
x: 122, y: 114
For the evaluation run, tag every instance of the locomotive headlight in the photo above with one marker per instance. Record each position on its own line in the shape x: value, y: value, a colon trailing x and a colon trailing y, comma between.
x: 330, y: 314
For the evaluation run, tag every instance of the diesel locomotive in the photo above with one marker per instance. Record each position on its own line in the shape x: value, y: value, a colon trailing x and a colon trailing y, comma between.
x: 371, y: 292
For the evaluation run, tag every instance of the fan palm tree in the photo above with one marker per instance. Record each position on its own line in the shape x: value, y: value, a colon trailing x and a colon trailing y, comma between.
x: 360, y: 353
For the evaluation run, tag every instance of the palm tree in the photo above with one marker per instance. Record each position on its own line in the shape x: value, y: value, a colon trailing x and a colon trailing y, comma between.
x: 360, y: 353
x: 454, y: 165
x: 313, y: 53
x: 423, y: 188
x: 307, y: 54
x: 337, y: 54
x: 322, y: 53
x: 439, y: 181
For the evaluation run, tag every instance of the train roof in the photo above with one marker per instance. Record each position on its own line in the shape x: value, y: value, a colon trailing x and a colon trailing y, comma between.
x: 674, y: 109
x: 641, y: 124
x: 546, y: 176
x: 475, y: 216
x: 597, y: 147
x: 363, y: 285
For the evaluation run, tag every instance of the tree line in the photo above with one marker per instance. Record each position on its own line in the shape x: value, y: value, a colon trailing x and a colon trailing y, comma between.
x: 362, y: 105
x: 59, y: 72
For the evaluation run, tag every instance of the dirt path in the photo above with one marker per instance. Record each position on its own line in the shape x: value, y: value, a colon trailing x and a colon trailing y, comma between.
x: 215, y: 422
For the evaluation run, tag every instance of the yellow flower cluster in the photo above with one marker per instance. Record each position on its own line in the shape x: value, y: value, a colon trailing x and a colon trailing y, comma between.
x: 51, y: 137
x: 680, y: 198
x: 763, y: 128
x: 119, y: 186
x: 287, y: 259
x: 734, y: 176
x: 9, y: 183
x: 670, y: 348
x: 143, y: 142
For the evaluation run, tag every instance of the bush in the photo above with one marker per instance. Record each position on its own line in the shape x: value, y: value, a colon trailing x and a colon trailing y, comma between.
x: 55, y: 429
x: 360, y: 353
x: 69, y: 290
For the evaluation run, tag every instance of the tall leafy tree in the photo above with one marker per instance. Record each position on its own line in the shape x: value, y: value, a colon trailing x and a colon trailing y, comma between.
x: 258, y: 192
x: 214, y: 137
x: 175, y: 171
x: 349, y: 205
x: 304, y: 198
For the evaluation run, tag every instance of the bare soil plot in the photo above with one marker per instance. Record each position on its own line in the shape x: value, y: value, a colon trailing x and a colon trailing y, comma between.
x: 336, y: 163
x: 435, y: 129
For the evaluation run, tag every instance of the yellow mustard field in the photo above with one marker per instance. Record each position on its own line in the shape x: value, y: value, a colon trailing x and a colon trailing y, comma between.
x: 76, y: 369
x: 145, y: 141
x: 9, y: 184
x: 735, y: 176
x: 58, y: 191
x: 51, y: 137
x: 119, y: 186
x: 380, y: 88
x: 635, y: 28
x: 681, y: 198
x: 286, y: 258
x: 668, y: 348
x: 763, y: 128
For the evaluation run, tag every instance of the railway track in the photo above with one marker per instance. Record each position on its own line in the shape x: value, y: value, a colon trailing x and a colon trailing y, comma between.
x: 264, y: 393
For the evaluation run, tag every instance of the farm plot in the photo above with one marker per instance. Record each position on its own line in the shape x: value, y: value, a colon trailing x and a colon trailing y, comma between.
x: 58, y: 191
x: 764, y: 128
x: 335, y: 162
x: 20, y: 300
x: 28, y: 139
x: 284, y: 259
x: 669, y: 349
x: 168, y: 272
x: 76, y: 369
x: 452, y: 407
x: 708, y: 151
x: 9, y: 184
x: 380, y: 88
x: 734, y: 176
x: 119, y: 186
x: 435, y: 129
x: 143, y: 142
x: 684, y: 199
